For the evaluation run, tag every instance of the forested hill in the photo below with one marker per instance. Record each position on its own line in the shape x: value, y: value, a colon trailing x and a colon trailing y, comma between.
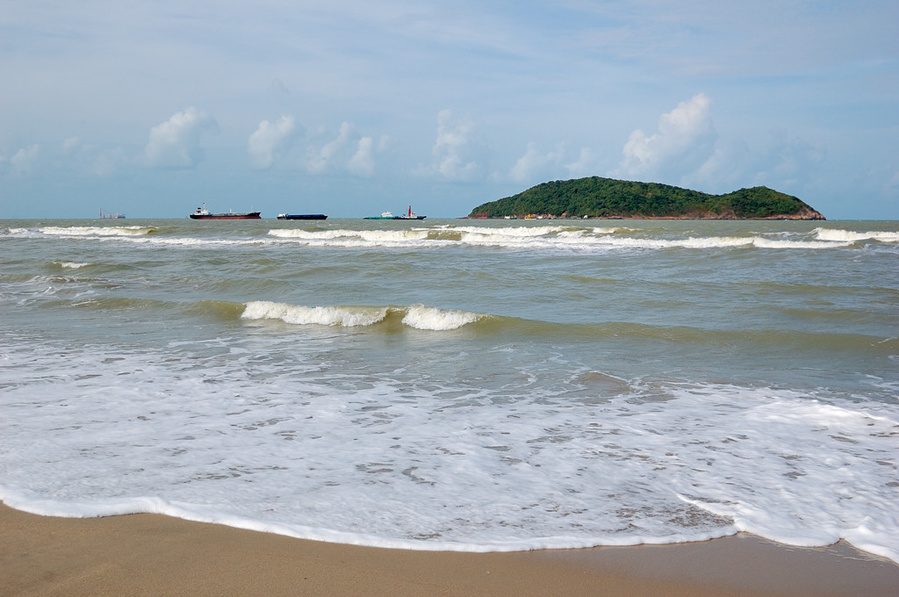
x: 597, y: 197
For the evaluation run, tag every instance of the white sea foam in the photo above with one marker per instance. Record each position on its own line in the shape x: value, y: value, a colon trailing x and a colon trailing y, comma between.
x: 141, y: 235
x: 597, y: 408
x: 72, y: 265
x: 377, y: 461
x: 470, y: 235
x: 301, y: 315
x: 416, y: 316
x: 353, y: 238
x: 768, y: 243
x: 96, y: 230
x: 851, y: 236
x: 429, y: 318
x: 199, y: 242
x: 544, y: 237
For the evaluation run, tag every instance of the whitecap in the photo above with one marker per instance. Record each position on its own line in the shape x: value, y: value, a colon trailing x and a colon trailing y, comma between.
x: 430, y: 318
x: 96, y: 230
x: 851, y: 236
x: 302, y: 315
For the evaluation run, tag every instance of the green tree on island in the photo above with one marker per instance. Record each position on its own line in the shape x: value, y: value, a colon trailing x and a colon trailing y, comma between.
x: 597, y: 197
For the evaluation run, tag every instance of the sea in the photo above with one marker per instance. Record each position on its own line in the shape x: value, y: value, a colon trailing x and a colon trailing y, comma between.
x: 467, y: 385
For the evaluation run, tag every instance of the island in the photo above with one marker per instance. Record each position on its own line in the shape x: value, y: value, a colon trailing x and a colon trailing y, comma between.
x: 597, y: 197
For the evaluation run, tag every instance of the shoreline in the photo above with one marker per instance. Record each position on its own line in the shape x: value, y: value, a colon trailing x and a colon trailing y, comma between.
x: 153, y: 554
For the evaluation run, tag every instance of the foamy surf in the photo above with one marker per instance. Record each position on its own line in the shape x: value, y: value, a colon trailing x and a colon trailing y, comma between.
x: 351, y: 238
x: 851, y: 236
x: 416, y: 316
x: 565, y: 238
x: 301, y: 315
x: 429, y: 318
x: 651, y: 382
x: 97, y: 230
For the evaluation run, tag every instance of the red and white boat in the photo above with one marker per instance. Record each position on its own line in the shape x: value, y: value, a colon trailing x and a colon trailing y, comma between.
x: 409, y: 215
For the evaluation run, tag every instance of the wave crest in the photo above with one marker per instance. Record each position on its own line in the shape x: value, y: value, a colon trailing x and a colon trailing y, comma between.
x: 301, y: 315
x: 567, y: 238
x: 851, y: 236
x: 430, y: 318
x: 97, y: 230
x: 419, y: 317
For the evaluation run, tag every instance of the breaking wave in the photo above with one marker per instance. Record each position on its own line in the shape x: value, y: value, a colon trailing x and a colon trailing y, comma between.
x: 97, y: 230
x: 851, y: 236
x: 416, y: 316
x: 561, y: 237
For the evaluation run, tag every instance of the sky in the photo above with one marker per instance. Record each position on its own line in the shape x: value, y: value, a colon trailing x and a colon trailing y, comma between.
x: 351, y: 107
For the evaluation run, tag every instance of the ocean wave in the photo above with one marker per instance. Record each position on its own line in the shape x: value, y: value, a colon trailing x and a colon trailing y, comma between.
x: 852, y: 236
x: 546, y: 238
x: 301, y: 315
x: 143, y: 235
x: 429, y: 318
x: 710, y: 460
x: 415, y: 316
x: 423, y: 317
x: 352, y: 238
x: 567, y: 238
x: 31, y: 502
x: 97, y: 230
x: 200, y: 242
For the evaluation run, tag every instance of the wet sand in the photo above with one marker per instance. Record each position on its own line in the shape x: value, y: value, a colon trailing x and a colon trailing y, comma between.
x: 148, y: 554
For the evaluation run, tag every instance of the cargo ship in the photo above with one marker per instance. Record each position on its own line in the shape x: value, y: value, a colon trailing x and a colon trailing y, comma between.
x: 302, y: 217
x: 409, y: 215
x: 203, y: 214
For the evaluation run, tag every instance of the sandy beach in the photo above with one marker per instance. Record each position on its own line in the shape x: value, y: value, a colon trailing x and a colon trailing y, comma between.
x: 148, y: 554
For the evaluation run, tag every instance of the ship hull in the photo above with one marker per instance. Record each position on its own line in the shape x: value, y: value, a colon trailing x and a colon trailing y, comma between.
x: 302, y: 217
x: 229, y: 216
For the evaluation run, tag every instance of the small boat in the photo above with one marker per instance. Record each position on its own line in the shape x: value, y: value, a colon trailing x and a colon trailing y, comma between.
x: 385, y: 215
x: 409, y: 215
x: 302, y: 217
x: 203, y: 214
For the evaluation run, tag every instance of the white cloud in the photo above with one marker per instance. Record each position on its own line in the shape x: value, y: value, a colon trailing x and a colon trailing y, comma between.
x: 70, y: 145
x: 176, y: 142
x: 107, y: 163
x: 787, y: 161
x: 93, y: 159
x: 329, y: 155
x: 452, y: 149
x: 24, y: 159
x: 784, y: 163
x: 349, y: 152
x: 533, y: 164
x: 270, y: 140
x: 587, y: 164
x: 684, y: 141
x: 724, y: 169
x: 363, y: 163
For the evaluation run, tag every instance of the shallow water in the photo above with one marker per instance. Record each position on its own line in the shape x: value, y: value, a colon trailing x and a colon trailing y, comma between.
x: 457, y: 384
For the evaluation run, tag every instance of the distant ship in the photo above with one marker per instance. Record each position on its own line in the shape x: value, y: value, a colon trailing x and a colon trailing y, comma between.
x: 203, y: 214
x: 409, y: 215
x: 109, y: 216
x: 302, y: 217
